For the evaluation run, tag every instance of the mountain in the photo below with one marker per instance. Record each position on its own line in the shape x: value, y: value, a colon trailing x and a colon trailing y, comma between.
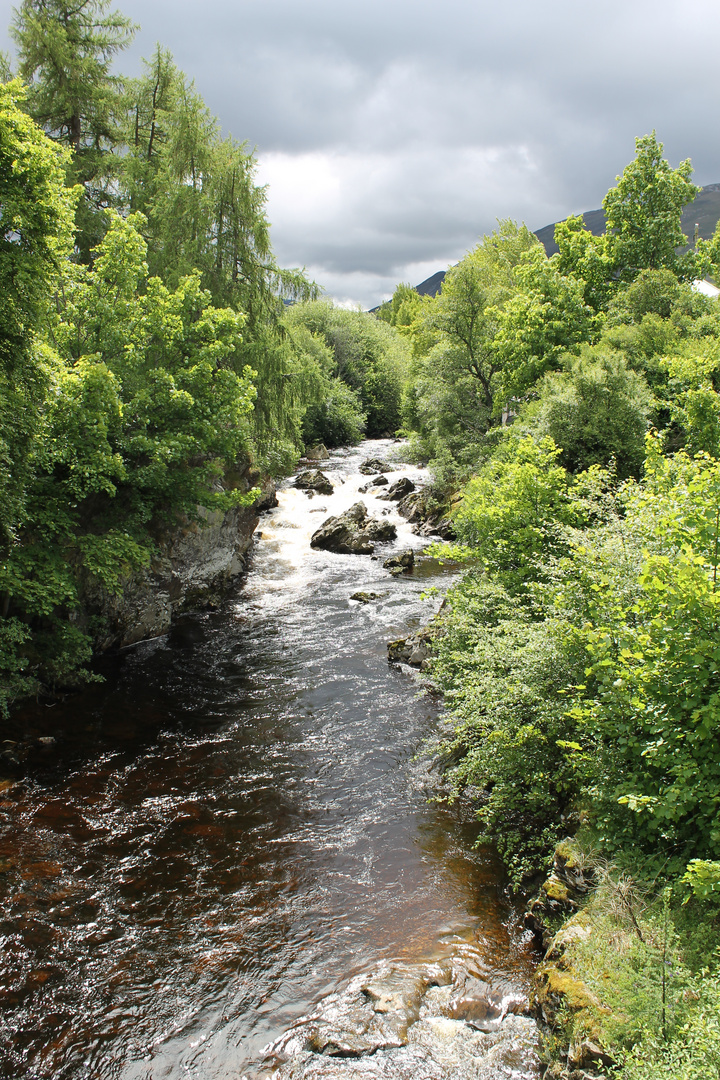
x: 703, y: 212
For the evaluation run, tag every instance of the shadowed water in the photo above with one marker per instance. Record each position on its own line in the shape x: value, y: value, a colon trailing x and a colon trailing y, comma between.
x: 234, y: 825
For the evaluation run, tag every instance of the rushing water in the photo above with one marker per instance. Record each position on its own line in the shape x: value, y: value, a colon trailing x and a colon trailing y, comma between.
x: 234, y: 824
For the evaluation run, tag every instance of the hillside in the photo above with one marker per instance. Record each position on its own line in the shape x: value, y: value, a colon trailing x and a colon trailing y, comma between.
x: 704, y: 211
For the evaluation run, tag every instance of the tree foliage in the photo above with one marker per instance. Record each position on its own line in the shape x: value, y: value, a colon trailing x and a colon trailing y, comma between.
x: 643, y: 212
x: 65, y: 53
x: 37, y: 215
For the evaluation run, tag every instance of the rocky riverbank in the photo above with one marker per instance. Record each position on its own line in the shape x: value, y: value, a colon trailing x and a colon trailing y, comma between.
x: 195, y: 564
x: 570, y: 1012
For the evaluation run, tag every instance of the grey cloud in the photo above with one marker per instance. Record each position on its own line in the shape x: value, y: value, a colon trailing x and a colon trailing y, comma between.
x: 426, y: 122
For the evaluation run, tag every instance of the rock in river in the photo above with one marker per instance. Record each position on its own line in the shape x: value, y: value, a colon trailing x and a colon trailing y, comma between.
x: 411, y: 1021
x: 404, y: 560
x: 314, y: 480
x: 375, y: 465
x: 398, y: 490
x: 352, y: 533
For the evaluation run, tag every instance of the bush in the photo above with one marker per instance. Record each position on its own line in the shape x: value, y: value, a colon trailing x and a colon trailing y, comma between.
x: 596, y: 410
x: 336, y: 420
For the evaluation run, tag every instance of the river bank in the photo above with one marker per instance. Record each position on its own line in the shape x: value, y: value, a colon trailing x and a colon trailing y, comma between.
x: 235, y: 825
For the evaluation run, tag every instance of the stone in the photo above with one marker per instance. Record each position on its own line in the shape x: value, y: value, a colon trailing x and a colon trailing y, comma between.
x: 195, y: 561
x: 379, y: 481
x: 403, y: 558
x: 366, y: 597
x: 352, y: 533
x: 317, y: 453
x: 374, y: 465
x: 397, y: 564
x: 314, y: 480
x: 412, y: 507
x: 397, y: 491
x: 396, y: 1023
x: 413, y: 650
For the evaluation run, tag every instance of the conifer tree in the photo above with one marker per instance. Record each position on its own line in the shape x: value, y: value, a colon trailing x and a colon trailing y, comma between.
x: 65, y: 53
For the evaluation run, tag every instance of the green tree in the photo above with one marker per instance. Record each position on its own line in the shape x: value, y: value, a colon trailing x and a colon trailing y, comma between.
x: 546, y: 317
x: 205, y: 212
x: 597, y: 410
x: 146, y: 418
x: 466, y: 311
x: 369, y: 356
x: 643, y: 213
x: 65, y: 53
x: 512, y: 513
x: 587, y: 258
x: 36, y: 238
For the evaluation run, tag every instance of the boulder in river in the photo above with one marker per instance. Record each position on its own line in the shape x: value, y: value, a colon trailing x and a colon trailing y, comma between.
x: 375, y: 465
x: 317, y: 453
x: 413, y: 650
x: 352, y: 533
x: 399, y: 490
x: 398, y: 564
x: 314, y: 480
x: 366, y: 597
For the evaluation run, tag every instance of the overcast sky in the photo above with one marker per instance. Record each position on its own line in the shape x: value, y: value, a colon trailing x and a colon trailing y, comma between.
x: 392, y: 134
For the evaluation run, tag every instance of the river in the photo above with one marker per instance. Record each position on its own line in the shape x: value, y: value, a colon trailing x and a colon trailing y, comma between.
x: 236, y: 823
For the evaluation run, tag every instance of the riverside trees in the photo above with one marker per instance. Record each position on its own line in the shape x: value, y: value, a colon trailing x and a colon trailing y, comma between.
x: 579, y: 654
x: 146, y: 349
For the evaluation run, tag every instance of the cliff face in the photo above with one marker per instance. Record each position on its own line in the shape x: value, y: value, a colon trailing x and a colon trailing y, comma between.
x: 195, y: 561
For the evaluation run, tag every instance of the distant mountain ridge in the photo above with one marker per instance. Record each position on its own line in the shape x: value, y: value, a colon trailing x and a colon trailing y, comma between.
x: 704, y: 212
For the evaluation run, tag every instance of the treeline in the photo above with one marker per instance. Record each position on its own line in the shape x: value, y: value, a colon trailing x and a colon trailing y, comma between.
x: 151, y: 348
x: 575, y: 403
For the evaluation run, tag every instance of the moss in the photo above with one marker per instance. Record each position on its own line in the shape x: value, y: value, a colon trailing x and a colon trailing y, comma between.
x: 556, y: 890
x: 568, y: 856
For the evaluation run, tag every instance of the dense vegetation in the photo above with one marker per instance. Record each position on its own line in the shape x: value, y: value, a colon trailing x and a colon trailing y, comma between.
x: 574, y: 401
x: 148, y: 354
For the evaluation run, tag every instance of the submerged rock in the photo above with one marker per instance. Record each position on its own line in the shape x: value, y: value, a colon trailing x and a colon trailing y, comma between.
x: 397, y: 491
x: 375, y: 465
x: 404, y: 1021
x: 352, y: 533
x: 314, y: 480
x: 366, y: 597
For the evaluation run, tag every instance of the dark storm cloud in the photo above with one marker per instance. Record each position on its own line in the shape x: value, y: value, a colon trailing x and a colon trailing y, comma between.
x: 392, y: 134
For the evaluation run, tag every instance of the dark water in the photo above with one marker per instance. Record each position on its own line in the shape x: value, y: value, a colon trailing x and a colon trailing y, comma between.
x: 234, y: 824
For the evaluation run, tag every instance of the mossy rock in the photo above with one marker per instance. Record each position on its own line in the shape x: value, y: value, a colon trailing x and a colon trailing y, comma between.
x: 556, y: 890
x: 560, y: 997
